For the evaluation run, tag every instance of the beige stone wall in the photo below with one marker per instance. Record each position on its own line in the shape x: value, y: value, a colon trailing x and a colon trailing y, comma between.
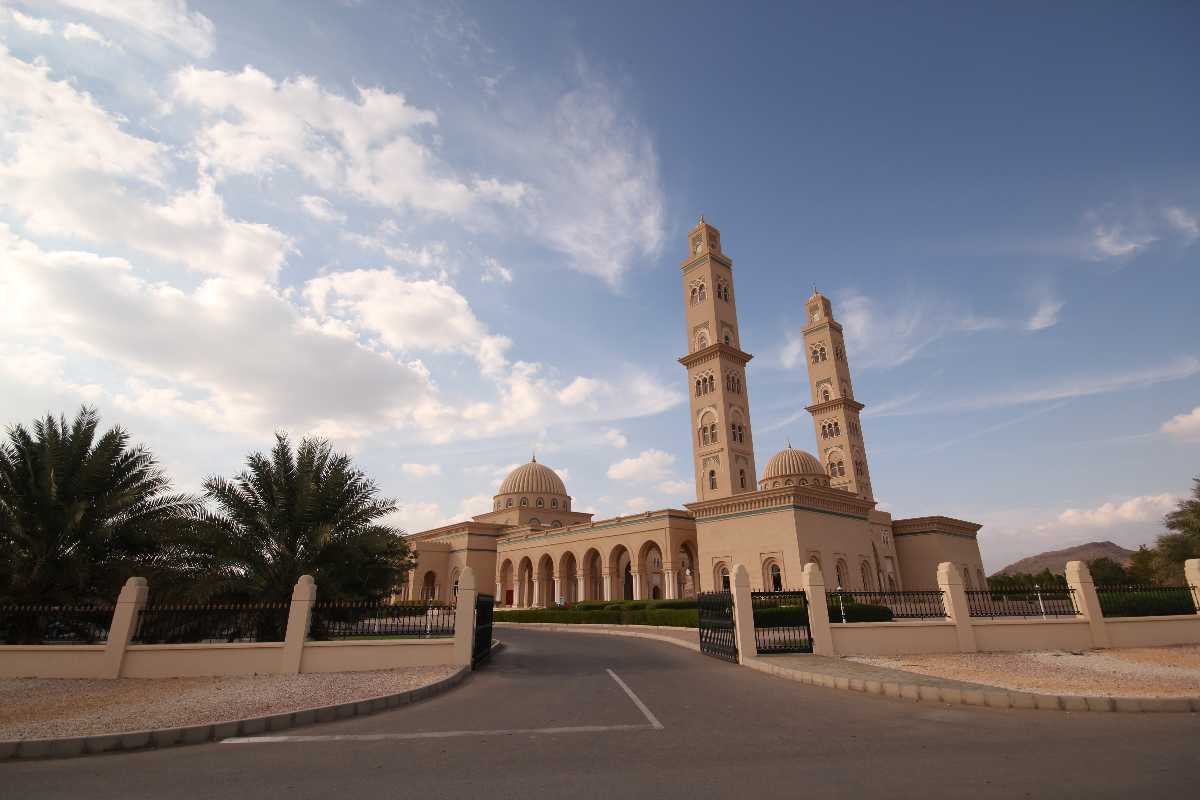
x: 1015, y: 635
x: 920, y: 554
x: 1152, y: 631
x: 893, y: 638
x: 201, y: 660
x: 52, y: 661
x: 372, y: 655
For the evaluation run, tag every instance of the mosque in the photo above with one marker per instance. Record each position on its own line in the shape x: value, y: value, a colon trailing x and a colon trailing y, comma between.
x: 804, y: 508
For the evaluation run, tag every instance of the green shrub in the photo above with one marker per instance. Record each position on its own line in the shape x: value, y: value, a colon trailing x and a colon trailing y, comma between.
x: 673, y: 603
x: 1126, y: 604
x: 590, y: 605
x: 860, y: 612
x: 673, y: 617
x: 781, y: 617
x: 561, y: 617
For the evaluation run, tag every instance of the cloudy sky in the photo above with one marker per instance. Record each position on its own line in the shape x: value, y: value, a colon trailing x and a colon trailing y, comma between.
x: 447, y: 234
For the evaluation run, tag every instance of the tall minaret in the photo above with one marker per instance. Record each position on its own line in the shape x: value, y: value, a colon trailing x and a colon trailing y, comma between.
x: 722, y: 442
x: 834, y: 409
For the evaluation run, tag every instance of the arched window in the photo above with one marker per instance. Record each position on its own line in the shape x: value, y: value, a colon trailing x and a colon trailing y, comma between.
x: 534, y: 521
x: 704, y: 435
x: 733, y: 432
x: 712, y: 432
x: 541, y: 503
x: 843, y: 575
x: 556, y: 524
x: 776, y: 578
x: 825, y: 395
x: 741, y: 434
x: 787, y: 482
x: 775, y: 485
x: 698, y: 389
x: 742, y: 477
x: 554, y: 503
x: 804, y: 482
x: 864, y: 570
x: 816, y: 355
x: 695, y: 295
x: 823, y: 353
x: 712, y: 479
x: 524, y: 502
x: 508, y: 503
x: 703, y: 293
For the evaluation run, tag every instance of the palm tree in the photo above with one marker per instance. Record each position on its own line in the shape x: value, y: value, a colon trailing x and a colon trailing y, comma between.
x: 290, y: 514
x: 79, y: 514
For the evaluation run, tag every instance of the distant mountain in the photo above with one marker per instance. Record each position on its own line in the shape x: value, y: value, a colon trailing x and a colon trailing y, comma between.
x: 1056, y: 560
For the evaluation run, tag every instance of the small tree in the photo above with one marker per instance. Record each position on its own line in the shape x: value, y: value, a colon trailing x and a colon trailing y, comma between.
x: 291, y: 513
x: 80, y: 513
x: 1107, y: 572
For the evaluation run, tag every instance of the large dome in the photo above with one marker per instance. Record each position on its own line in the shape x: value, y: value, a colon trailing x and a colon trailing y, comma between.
x: 533, y: 478
x: 790, y: 467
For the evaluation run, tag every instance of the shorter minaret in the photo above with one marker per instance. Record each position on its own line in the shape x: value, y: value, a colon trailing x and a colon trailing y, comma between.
x: 835, y: 412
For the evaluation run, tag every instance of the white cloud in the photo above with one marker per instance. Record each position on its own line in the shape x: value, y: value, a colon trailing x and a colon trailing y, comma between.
x: 369, y: 146
x: 37, y: 25
x: 1045, y: 315
x: 635, y: 505
x: 429, y: 256
x: 647, y: 466
x: 77, y: 31
x: 167, y: 21
x: 614, y: 437
x: 1184, y: 222
x: 321, y: 209
x: 1144, y: 508
x: 1184, y: 426
x: 494, y: 272
x: 73, y: 171
x: 1114, y: 242
x: 676, y: 487
x: 421, y: 470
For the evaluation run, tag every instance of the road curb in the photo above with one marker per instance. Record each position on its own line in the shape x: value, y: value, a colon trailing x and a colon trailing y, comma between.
x: 555, y: 626
x: 216, y: 731
x: 990, y: 697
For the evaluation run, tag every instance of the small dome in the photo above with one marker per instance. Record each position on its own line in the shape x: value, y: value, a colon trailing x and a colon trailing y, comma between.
x: 791, y: 461
x: 533, y: 478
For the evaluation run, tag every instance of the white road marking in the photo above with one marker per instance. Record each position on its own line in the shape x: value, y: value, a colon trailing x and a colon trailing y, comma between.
x: 382, y: 737
x: 654, y: 723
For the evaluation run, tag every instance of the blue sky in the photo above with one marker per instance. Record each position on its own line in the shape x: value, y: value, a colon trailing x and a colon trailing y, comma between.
x: 446, y: 234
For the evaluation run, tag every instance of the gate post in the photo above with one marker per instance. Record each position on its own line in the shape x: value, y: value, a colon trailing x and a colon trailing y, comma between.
x: 743, y: 614
x: 464, y: 618
x: 1079, y: 578
x: 813, y: 584
x: 124, y: 623
x: 299, y: 618
x: 957, y: 606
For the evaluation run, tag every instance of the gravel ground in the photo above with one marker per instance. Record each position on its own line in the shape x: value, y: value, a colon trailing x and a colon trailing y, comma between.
x: 1135, y: 672
x: 38, y: 708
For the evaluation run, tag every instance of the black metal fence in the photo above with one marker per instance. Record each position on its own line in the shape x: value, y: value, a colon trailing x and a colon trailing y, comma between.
x: 1145, y: 601
x: 481, y: 647
x: 781, y: 622
x: 717, y: 636
x: 367, y: 620
x: 48, y: 624
x: 885, y: 606
x: 1035, y: 602
x: 194, y: 624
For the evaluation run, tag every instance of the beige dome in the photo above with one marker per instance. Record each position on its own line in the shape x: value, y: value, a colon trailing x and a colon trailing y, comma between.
x: 533, y: 478
x: 791, y: 461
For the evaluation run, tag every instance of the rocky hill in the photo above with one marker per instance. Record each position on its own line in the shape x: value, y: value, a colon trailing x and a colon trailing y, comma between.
x: 1056, y: 560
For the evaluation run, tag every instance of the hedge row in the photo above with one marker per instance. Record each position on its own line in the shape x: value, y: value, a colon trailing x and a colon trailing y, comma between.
x: 673, y: 617
x: 1121, y: 604
x: 615, y: 605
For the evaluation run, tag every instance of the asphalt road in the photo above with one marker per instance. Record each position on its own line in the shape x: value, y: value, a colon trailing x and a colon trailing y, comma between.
x: 546, y: 719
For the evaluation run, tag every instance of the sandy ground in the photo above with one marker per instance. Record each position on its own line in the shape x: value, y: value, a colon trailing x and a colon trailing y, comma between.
x: 36, y: 708
x: 1135, y: 672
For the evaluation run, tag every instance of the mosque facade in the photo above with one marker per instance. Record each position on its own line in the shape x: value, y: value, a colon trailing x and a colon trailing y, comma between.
x: 805, y: 507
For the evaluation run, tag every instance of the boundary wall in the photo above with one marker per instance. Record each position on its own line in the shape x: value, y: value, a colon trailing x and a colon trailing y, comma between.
x: 119, y: 658
x: 959, y: 632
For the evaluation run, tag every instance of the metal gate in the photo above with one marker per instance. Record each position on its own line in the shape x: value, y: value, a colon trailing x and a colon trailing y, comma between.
x: 717, y: 636
x: 781, y: 622
x: 482, y: 646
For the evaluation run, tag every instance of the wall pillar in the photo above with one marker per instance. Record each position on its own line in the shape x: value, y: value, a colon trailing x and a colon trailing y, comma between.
x: 464, y: 618
x: 1079, y: 578
x: 813, y: 584
x: 957, y: 606
x: 670, y: 588
x: 535, y: 595
x: 1191, y: 576
x: 606, y: 580
x: 124, y: 622
x: 580, y: 588
x: 499, y: 591
x: 299, y: 616
x: 743, y: 614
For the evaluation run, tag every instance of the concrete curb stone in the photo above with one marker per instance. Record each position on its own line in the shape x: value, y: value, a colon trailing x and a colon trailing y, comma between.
x: 197, y: 734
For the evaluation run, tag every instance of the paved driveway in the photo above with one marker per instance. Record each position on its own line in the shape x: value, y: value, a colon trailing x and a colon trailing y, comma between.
x: 560, y: 715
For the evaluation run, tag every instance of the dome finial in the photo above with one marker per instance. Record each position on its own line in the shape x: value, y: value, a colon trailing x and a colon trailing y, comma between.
x: 789, y: 443
x: 701, y: 219
x: 533, y: 458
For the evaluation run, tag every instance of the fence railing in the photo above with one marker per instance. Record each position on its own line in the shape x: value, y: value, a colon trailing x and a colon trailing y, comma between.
x: 1146, y: 601
x: 1036, y: 602
x: 885, y: 606
x: 367, y: 620
x: 47, y: 624
x: 196, y: 624
x: 781, y: 622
